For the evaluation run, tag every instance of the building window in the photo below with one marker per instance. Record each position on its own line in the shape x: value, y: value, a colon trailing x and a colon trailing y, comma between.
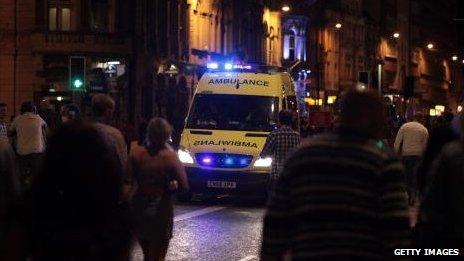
x: 291, y: 47
x: 59, y: 15
x: 65, y: 19
x: 52, y: 19
x: 99, y: 15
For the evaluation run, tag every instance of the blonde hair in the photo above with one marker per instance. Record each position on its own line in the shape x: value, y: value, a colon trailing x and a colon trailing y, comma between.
x: 158, y: 133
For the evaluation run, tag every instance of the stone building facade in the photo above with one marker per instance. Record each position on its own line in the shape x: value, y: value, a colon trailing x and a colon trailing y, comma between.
x: 38, y: 37
x: 364, y: 41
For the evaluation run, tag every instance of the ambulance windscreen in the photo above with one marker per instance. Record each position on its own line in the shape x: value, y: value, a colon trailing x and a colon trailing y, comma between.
x: 234, y: 112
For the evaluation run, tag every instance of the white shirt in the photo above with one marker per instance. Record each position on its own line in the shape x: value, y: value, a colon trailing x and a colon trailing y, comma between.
x: 411, y: 139
x: 30, y: 133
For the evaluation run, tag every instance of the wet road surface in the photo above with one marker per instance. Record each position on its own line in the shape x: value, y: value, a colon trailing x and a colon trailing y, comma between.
x: 219, y: 230
x: 214, y: 231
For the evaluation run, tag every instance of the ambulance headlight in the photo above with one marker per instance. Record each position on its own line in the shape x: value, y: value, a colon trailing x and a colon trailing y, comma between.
x: 228, y: 66
x: 263, y: 162
x: 184, y: 156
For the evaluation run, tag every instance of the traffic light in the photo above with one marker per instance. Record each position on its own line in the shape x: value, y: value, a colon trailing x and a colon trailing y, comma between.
x: 77, y: 73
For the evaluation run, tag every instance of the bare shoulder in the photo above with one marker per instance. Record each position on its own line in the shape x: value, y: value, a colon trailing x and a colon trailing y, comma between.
x: 168, y: 153
x: 135, y: 148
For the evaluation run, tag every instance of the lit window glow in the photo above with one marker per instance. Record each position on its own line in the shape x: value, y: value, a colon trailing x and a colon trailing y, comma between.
x: 331, y: 99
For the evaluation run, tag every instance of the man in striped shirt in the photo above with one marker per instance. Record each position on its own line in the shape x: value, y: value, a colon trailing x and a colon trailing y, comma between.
x: 3, y: 124
x: 340, y: 196
x: 279, y: 144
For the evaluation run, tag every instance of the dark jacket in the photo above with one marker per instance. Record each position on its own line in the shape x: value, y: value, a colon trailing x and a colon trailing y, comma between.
x: 441, y: 216
x: 339, y: 197
x: 439, y: 137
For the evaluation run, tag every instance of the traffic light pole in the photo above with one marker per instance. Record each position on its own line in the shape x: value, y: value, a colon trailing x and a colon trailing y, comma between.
x: 379, y: 78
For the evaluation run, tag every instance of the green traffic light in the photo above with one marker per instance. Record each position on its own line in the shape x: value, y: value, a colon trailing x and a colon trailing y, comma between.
x: 78, y: 83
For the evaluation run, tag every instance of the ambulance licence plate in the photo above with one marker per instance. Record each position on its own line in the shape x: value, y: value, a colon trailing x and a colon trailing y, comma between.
x: 221, y: 184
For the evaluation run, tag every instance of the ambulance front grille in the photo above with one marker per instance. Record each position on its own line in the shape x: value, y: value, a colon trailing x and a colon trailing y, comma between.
x: 223, y: 160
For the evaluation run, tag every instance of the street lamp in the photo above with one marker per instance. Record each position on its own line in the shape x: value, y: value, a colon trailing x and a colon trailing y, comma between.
x: 285, y: 8
x: 396, y: 35
x: 430, y: 46
x: 338, y: 25
x: 454, y: 58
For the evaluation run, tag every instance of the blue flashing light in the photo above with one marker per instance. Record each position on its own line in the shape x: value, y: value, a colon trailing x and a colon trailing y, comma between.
x: 228, y: 66
x: 228, y: 161
x: 212, y: 65
x: 206, y: 160
x: 244, y: 162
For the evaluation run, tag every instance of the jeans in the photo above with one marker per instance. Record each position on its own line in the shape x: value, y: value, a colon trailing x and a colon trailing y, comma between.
x: 410, y: 165
x: 29, y: 166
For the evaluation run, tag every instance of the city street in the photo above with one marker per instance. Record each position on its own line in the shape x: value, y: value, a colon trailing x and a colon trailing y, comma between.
x: 221, y: 230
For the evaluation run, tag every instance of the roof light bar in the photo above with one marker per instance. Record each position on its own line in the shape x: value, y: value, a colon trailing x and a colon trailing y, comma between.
x: 212, y: 66
x: 228, y: 66
x: 239, y: 66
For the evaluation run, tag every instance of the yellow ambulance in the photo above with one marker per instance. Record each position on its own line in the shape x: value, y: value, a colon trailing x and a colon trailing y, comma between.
x: 234, y: 109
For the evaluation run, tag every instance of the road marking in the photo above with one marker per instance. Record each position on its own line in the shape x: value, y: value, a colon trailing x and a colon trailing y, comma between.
x: 248, y: 258
x: 197, y: 213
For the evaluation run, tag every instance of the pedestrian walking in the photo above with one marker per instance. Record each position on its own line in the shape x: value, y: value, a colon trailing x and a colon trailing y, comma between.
x: 29, y: 132
x: 77, y: 210
x: 48, y: 114
x: 9, y: 190
x: 410, y: 143
x: 157, y: 172
x: 103, y: 109
x: 171, y: 97
x: 180, y: 110
x: 3, y: 122
x: 340, y: 195
x: 441, y: 215
x: 440, y: 135
x: 70, y: 112
x: 279, y: 144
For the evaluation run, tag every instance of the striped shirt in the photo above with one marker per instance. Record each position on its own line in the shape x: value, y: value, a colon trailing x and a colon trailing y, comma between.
x: 278, y: 145
x: 3, y: 131
x: 338, y: 198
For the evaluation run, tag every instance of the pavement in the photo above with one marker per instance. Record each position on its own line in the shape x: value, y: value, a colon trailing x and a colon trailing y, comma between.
x: 219, y: 230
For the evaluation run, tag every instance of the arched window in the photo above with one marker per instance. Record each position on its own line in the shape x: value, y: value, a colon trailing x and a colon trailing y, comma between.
x: 291, y: 46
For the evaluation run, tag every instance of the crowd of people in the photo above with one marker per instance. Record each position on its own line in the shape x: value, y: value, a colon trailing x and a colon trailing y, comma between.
x: 346, y: 194
x: 78, y: 191
x: 74, y: 192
